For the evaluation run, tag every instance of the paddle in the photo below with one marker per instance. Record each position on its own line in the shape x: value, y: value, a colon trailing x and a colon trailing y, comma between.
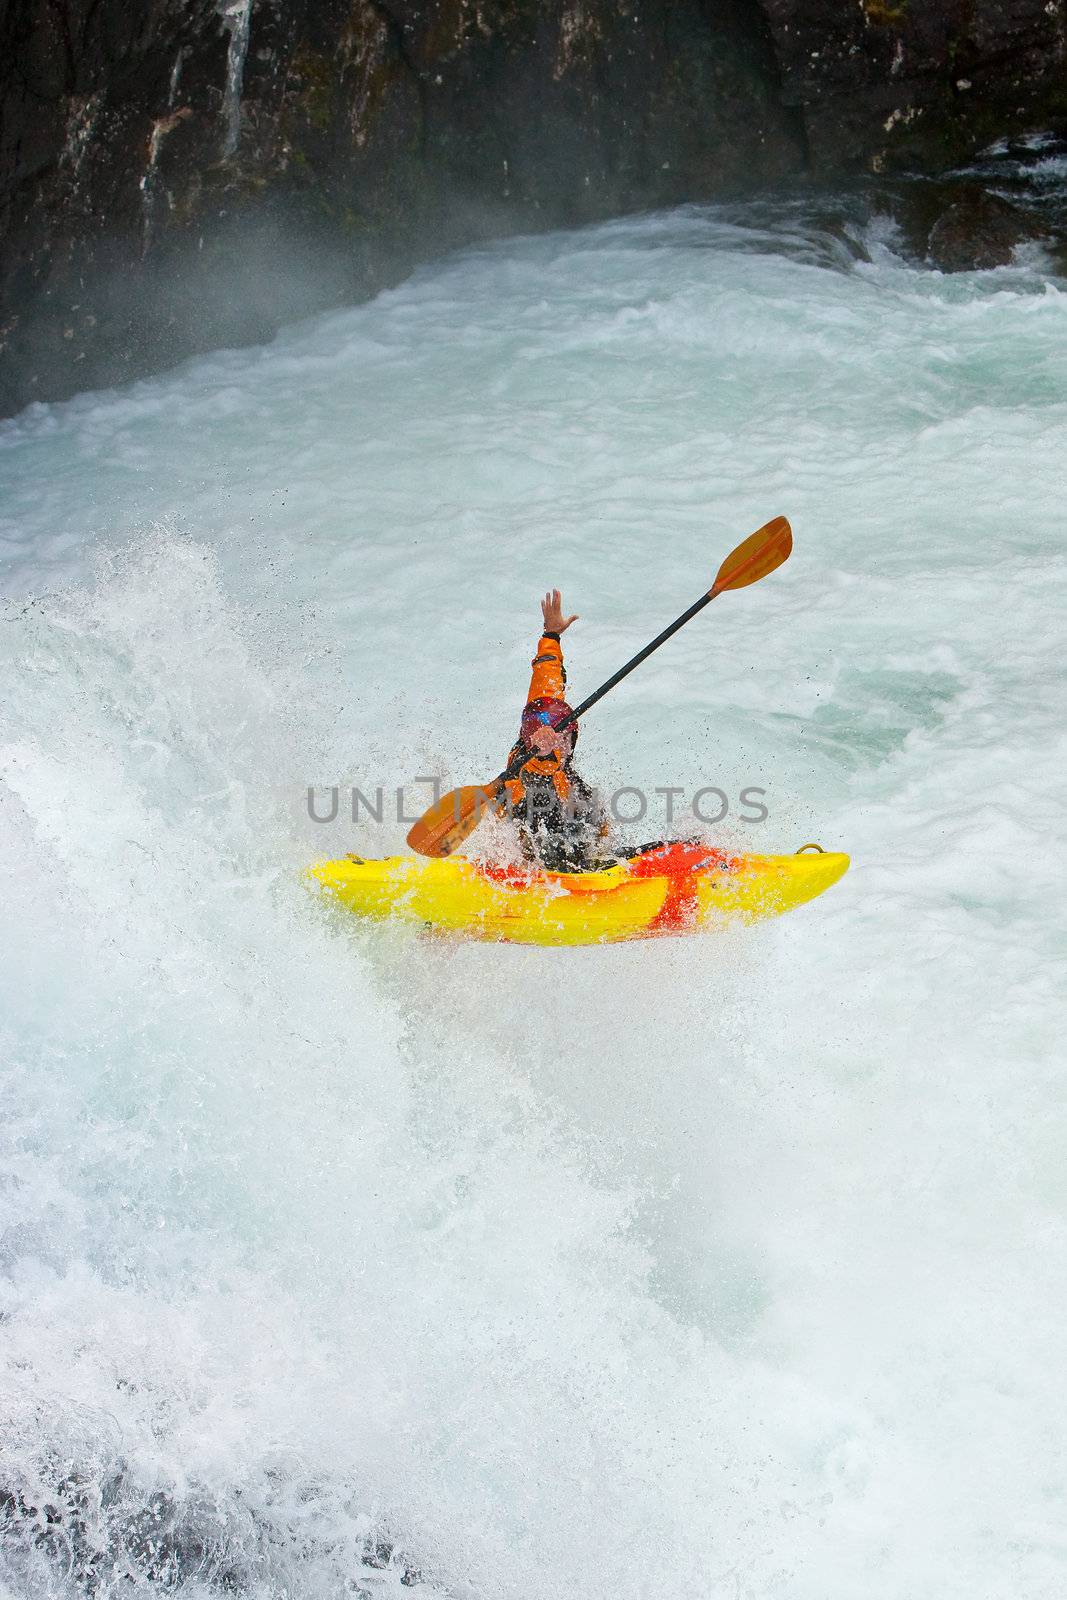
x: 443, y: 828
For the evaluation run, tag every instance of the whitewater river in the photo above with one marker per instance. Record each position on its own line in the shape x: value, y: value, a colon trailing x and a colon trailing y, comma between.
x: 728, y: 1268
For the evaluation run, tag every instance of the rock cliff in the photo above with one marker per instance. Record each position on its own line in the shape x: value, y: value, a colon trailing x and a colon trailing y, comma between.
x: 177, y: 175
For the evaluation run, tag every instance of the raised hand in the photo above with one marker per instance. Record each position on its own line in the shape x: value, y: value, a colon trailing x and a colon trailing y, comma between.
x: 552, y: 611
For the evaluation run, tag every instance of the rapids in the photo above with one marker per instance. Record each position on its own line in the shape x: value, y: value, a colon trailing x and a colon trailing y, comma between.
x: 336, y: 1261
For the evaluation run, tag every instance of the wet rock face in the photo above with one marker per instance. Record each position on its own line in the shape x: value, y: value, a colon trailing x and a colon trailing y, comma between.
x: 975, y: 220
x: 177, y: 175
x: 181, y: 174
x: 889, y: 85
x: 977, y: 231
x: 975, y: 234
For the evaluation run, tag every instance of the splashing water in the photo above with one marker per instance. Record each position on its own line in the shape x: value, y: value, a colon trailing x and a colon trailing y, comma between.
x: 334, y: 1259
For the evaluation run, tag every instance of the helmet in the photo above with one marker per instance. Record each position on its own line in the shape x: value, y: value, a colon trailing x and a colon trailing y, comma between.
x: 546, y: 712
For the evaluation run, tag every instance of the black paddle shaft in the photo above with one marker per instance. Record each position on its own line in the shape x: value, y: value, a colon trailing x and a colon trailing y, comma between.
x: 515, y: 767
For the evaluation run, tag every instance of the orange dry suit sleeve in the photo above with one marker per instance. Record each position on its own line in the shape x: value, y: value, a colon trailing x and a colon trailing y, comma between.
x: 549, y: 675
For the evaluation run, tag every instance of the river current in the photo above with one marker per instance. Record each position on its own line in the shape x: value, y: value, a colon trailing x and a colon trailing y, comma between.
x: 338, y: 1262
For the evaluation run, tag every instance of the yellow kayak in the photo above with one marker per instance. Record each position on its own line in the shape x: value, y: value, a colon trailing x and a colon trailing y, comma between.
x: 665, y: 889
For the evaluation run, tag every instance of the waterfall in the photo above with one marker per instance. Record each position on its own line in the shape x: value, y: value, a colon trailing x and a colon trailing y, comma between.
x: 237, y: 19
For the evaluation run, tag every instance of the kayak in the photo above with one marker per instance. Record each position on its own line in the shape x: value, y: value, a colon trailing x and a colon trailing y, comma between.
x: 663, y: 889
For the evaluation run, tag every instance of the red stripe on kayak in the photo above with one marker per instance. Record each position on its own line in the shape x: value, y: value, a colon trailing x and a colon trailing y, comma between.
x: 681, y: 863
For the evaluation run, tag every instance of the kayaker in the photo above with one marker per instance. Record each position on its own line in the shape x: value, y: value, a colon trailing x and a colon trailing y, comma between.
x: 561, y: 822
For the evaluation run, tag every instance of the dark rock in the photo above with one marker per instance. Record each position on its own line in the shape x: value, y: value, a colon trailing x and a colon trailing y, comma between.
x: 957, y: 225
x: 979, y: 231
x: 917, y: 85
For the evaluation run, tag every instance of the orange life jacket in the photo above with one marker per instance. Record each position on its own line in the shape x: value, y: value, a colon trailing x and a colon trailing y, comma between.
x: 537, y: 767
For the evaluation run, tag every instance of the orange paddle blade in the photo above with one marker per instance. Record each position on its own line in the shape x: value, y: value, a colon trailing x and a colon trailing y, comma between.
x: 442, y: 829
x: 759, y: 554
